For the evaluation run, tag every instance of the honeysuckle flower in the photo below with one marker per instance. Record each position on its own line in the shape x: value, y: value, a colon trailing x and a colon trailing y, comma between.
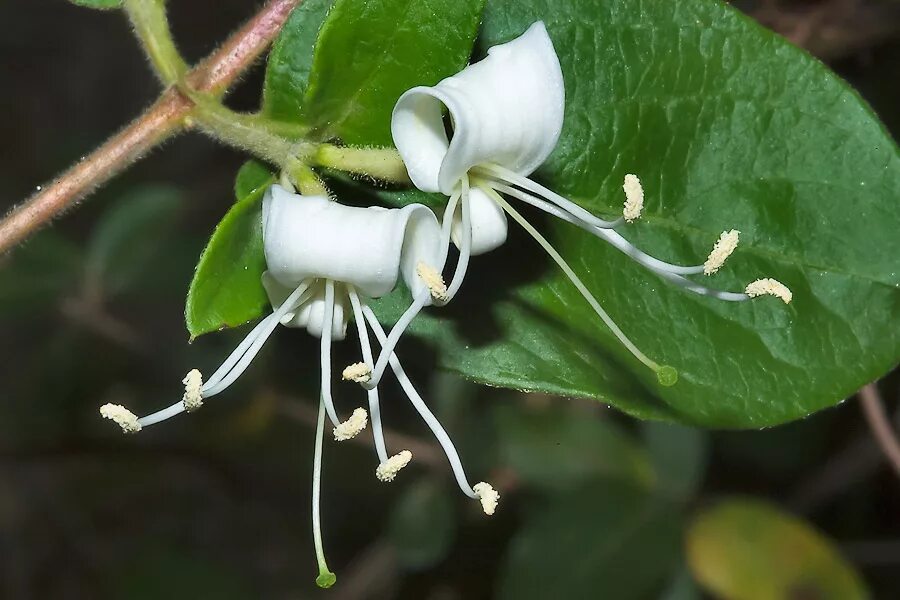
x: 506, y: 116
x: 325, y: 261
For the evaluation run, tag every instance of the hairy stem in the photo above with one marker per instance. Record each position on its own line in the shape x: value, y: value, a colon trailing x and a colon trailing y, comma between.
x: 880, y: 424
x: 379, y: 163
x: 160, y: 121
x: 152, y: 29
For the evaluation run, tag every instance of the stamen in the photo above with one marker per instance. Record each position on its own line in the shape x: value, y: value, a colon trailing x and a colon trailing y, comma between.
x: 419, y: 404
x: 723, y: 248
x: 634, y: 198
x: 359, y: 372
x: 505, y: 175
x: 465, y: 246
x: 388, y: 469
x: 122, y: 417
x: 353, y: 426
x: 325, y: 351
x: 366, y: 348
x: 488, y: 495
x: 193, y: 395
x: 560, y: 261
x: 326, y: 578
x: 433, y: 281
x: 770, y: 287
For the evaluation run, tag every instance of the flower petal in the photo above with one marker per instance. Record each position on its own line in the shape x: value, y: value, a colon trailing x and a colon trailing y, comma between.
x: 489, y: 226
x: 506, y: 109
x: 312, y: 237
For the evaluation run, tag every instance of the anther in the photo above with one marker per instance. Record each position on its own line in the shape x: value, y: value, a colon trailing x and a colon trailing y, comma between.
x: 433, y: 281
x: 387, y: 470
x: 770, y: 287
x: 123, y: 417
x: 193, y: 394
x: 488, y: 495
x: 634, y: 198
x: 359, y: 372
x: 723, y: 248
x: 352, y: 426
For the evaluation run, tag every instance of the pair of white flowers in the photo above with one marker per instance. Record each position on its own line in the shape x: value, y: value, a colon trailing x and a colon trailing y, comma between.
x: 326, y: 260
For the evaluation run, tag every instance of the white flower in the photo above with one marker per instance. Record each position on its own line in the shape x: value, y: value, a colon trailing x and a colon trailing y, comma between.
x: 506, y: 114
x: 325, y: 261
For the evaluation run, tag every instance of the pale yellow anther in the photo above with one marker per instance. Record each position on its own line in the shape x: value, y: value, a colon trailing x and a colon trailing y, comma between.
x: 634, y: 198
x: 352, y: 426
x: 433, y: 281
x: 770, y: 287
x: 387, y: 470
x: 359, y: 372
x: 488, y: 495
x: 193, y: 395
x: 723, y: 248
x: 123, y: 417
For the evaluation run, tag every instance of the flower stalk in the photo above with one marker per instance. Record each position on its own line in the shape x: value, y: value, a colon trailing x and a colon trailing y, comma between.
x: 148, y: 17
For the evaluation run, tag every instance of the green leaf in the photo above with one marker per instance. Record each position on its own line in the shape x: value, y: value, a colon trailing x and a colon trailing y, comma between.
x: 289, y: 62
x: 603, y: 541
x: 422, y: 525
x: 98, y: 4
x: 368, y: 52
x: 226, y: 289
x: 747, y: 549
x: 728, y: 126
x: 130, y: 235
x: 556, y: 448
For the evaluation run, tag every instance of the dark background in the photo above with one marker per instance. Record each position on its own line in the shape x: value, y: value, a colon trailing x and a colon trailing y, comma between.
x: 217, y: 507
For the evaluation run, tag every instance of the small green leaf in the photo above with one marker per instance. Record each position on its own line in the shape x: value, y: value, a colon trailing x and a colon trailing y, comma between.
x: 130, y: 234
x: 98, y: 4
x: 422, y: 525
x: 368, y: 52
x: 226, y: 289
x: 602, y: 541
x: 559, y: 448
x: 749, y: 550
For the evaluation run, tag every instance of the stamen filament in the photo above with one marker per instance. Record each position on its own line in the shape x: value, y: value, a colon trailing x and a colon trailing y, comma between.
x: 366, y: 348
x: 465, y: 246
x: 439, y: 433
x: 620, y: 335
x: 326, y: 578
x: 325, y: 347
x: 242, y: 355
x: 505, y: 175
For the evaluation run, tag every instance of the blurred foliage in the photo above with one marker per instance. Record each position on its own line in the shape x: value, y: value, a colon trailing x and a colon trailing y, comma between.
x: 217, y: 505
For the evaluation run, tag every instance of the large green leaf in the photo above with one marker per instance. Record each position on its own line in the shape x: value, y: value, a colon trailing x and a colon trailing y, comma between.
x: 368, y: 53
x: 748, y: 550
x: 602, y: 541
x: 226, y: 289
x: 728, y: 126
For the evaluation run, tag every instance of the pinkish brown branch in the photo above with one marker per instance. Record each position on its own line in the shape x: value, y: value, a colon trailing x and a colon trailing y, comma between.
x: 880, y: 424
x: 164, y: 118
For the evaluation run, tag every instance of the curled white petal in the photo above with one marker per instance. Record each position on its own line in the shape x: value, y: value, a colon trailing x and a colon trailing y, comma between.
x: 488, y: 495
x: 359, y: 372
x: 312, y: 237
x: 722, y: 249
x: 387, y: 470
x: 769, y: 287
x: 634, y: 198
x: 489, y: 225
x: 353, y: 426
x: 193, y: 395
x: 506, y: 109
x: 121, y: 416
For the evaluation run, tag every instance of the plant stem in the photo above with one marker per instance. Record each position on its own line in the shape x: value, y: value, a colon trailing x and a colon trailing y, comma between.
x: 160, y: 121
x: 152, y: 29
x: 379, y: 163
x: 880, y: 424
